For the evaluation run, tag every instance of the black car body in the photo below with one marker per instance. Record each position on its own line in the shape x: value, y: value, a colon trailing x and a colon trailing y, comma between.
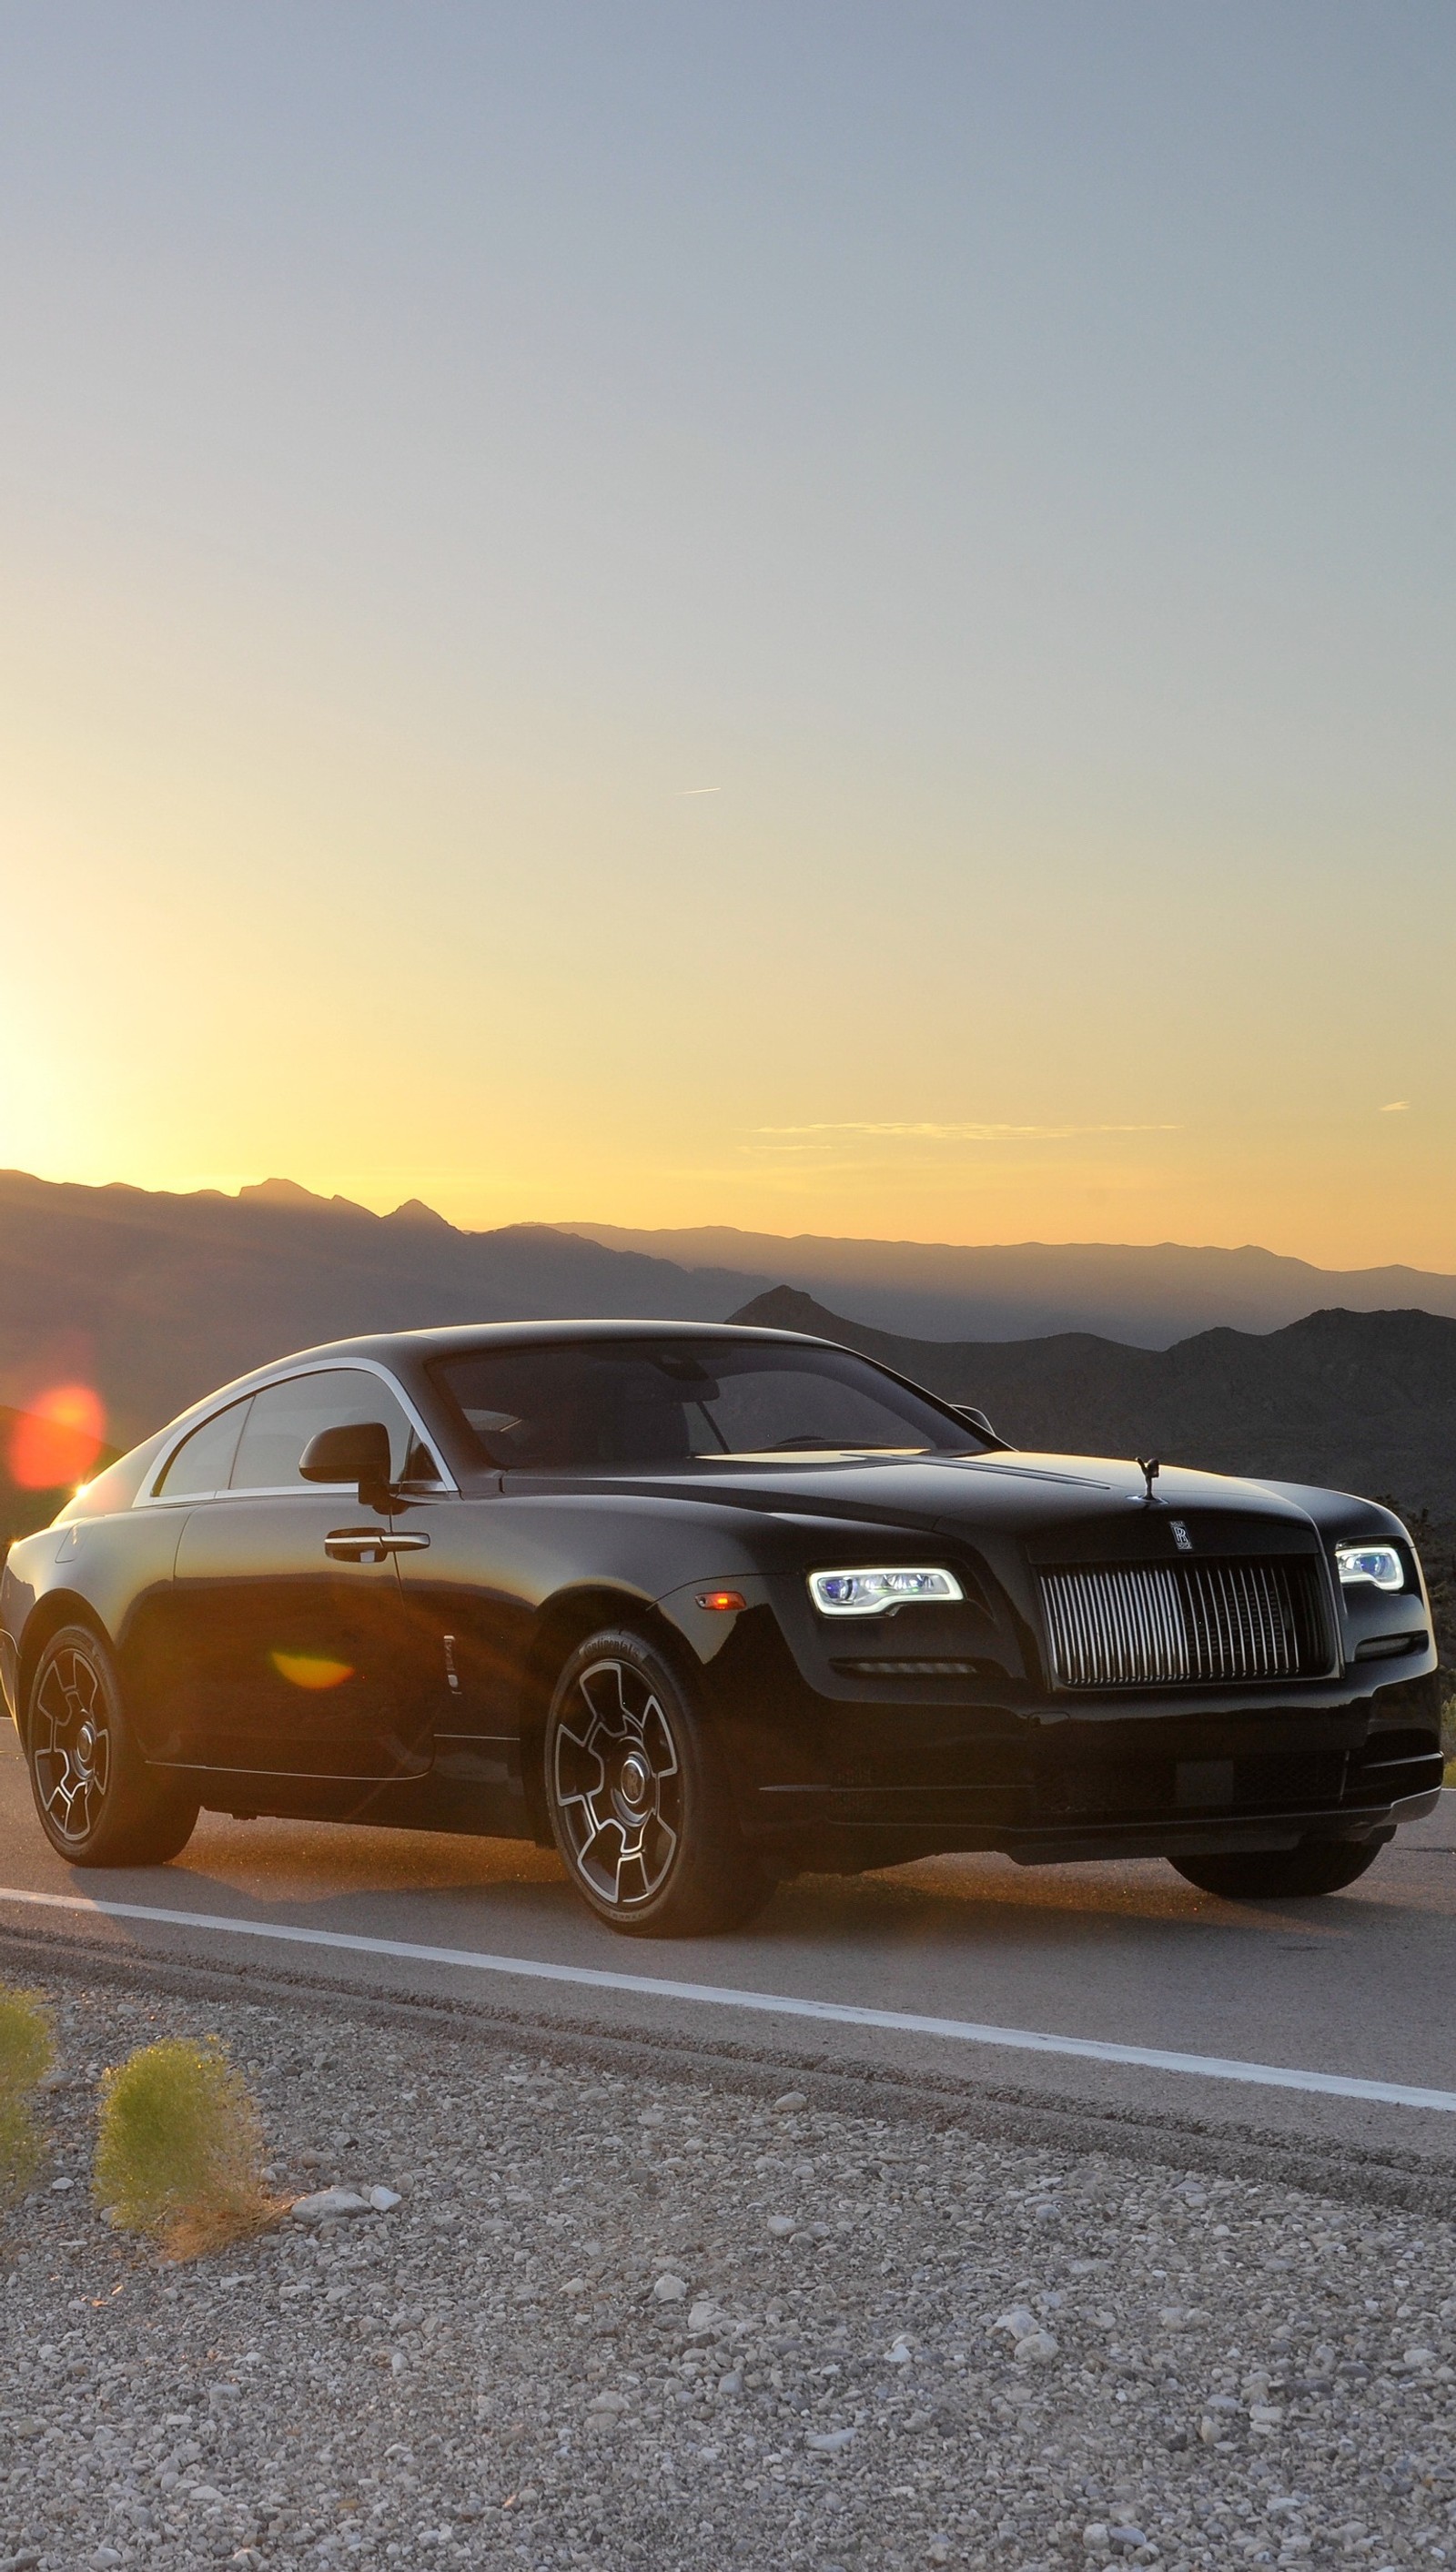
x: 1167, y: 1662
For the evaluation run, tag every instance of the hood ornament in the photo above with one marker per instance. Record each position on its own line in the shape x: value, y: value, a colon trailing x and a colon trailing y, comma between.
x: 1150, y: 1466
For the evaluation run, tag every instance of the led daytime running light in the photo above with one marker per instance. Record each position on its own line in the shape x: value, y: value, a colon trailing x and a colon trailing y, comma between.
x: 874, y: 1591
x: 1378, y: 1563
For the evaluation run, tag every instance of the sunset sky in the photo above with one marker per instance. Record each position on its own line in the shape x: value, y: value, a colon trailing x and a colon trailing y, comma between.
x: 830, y: 618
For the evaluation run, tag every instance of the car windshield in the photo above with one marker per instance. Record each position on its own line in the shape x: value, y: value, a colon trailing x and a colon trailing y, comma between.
x: 667, y: 1402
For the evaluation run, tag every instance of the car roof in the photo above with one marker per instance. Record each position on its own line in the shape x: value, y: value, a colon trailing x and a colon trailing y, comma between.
x: 414, y: 1349
x: 464, y: 1337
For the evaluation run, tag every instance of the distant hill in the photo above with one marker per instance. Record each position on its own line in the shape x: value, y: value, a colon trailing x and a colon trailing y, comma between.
x: 1365, y: 1401
x: 1148, y: 1294
x: 153, y: 1299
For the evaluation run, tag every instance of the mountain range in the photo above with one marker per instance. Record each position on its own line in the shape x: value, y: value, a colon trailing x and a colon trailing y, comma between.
x: 1151, y: 1294
x: 1364, y: 1402
x: 153, y: 1299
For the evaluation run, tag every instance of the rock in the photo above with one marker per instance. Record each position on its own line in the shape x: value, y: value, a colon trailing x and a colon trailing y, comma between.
x: 1096, y: 2536
x: 1036, y: 2349
x: 384, y: 2200
x: 899, y: 2352
x: 732, y: 2382
x: 703, y: 2314
x: 1127, y: 2537
x: 669, y: 2289
x: 612, y: 2403
x: 781, y: 2225
x: 58, y: 2186
x: 1020, y: 2322
x: 790, y: 2100
x: 328, y: 2202
x: 827, y: 2442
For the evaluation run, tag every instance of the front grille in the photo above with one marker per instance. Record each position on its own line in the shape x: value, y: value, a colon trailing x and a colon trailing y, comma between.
x: 1176, y: 1624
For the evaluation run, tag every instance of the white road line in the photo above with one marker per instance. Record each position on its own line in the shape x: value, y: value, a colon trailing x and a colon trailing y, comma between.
x: 956, y: 2031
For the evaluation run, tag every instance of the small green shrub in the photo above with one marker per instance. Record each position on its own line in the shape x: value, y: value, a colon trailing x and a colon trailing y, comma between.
x: 179, y: 2149
x: 27, y: 2050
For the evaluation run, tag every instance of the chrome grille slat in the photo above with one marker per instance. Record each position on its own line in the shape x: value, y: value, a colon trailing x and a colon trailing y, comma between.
x: 1165, y: 1625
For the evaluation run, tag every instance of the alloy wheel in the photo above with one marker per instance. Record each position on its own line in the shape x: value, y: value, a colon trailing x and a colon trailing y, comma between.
x: 73, y: 1744
x: 618, y: 1784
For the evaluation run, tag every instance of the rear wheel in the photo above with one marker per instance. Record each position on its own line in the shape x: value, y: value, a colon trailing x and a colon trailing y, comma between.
x: 1266, y: 1875
x: 639, y: 1802
x: 99, y: 1803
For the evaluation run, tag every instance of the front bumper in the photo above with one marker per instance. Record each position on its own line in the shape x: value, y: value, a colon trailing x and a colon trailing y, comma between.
x: 1048, y: 1779
x: 915, y: 1825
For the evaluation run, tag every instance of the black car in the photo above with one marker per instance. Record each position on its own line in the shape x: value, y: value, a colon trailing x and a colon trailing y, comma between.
x: 705, y: 1608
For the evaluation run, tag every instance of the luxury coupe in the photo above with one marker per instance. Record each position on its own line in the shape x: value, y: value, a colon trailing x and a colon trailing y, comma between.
x: 705, y: 1608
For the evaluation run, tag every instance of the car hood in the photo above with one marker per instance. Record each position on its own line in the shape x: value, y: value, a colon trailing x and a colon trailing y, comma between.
x: 1011, y: 1494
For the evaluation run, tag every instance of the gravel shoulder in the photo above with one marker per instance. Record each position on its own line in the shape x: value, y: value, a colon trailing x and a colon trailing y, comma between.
x: 621, y: 2320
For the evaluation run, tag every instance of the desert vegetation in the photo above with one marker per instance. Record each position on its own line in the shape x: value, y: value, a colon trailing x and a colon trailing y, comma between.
x: 179, y: 2151
x: 26, y: 2054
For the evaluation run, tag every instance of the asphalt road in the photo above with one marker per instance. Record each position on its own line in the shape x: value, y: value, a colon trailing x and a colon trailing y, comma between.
x: 1357, y: 1986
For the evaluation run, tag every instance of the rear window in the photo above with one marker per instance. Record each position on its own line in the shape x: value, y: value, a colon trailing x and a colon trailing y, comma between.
x: 204, y: 1461
x: 649, y: 1403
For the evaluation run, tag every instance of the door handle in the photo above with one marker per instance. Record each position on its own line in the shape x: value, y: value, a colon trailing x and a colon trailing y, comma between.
x: 371, y: 1545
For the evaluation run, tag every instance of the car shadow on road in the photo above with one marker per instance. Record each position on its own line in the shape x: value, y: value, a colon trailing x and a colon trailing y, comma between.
x: 441, y: 1889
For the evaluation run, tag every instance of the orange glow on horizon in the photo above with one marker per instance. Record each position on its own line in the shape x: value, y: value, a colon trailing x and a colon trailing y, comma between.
x: 58, y: 1439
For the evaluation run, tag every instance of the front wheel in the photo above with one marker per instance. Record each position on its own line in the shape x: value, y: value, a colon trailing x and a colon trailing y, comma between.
x: 99, y: 1803
x: 640, y: 1803
x: 1267, y: 1875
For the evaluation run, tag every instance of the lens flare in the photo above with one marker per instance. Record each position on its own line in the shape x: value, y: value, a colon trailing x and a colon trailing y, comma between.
x: 58, y: 1439
x: 310, y: 1669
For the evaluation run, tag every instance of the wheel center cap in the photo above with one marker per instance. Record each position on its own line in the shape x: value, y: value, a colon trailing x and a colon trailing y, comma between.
x: 635, y: 1779
x: 85, y: 1745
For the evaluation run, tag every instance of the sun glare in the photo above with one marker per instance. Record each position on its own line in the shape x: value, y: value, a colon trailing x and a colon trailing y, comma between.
x: 310, y: 1669
x: 57, y: 1439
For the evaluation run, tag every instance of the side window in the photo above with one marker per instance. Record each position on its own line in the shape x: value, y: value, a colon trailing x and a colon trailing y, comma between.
x: 284, y: 1417
x: 204, y: 1461
x: 420, y: 1463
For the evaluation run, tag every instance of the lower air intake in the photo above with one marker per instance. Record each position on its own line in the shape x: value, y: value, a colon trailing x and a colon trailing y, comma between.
x: 1168, y: 1624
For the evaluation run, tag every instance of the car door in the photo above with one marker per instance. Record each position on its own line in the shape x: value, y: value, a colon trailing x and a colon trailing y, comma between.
x: 472, y: 1594
x: 289, y: 1653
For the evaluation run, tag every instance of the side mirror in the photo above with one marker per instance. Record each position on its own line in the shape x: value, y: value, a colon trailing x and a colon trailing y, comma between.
x: 358, y: 1451
x: 978, y: 1421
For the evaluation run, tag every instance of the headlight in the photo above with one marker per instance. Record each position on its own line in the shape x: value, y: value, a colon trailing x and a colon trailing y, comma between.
x: 1379, y: 1564
x: 872, y: 1592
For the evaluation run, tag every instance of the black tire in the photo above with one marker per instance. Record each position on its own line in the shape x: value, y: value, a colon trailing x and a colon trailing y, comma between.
x: 1271, y: 1875
x: 99, y: 1803
x: 640, y: 1803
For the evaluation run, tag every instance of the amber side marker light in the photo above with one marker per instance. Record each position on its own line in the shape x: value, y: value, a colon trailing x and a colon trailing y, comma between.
x: 725, y: 1600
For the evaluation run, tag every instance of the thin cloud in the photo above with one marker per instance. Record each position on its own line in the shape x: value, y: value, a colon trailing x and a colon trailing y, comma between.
x: 1396, y: 1107
x: 888, y: 1131
x: 701, y: 790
